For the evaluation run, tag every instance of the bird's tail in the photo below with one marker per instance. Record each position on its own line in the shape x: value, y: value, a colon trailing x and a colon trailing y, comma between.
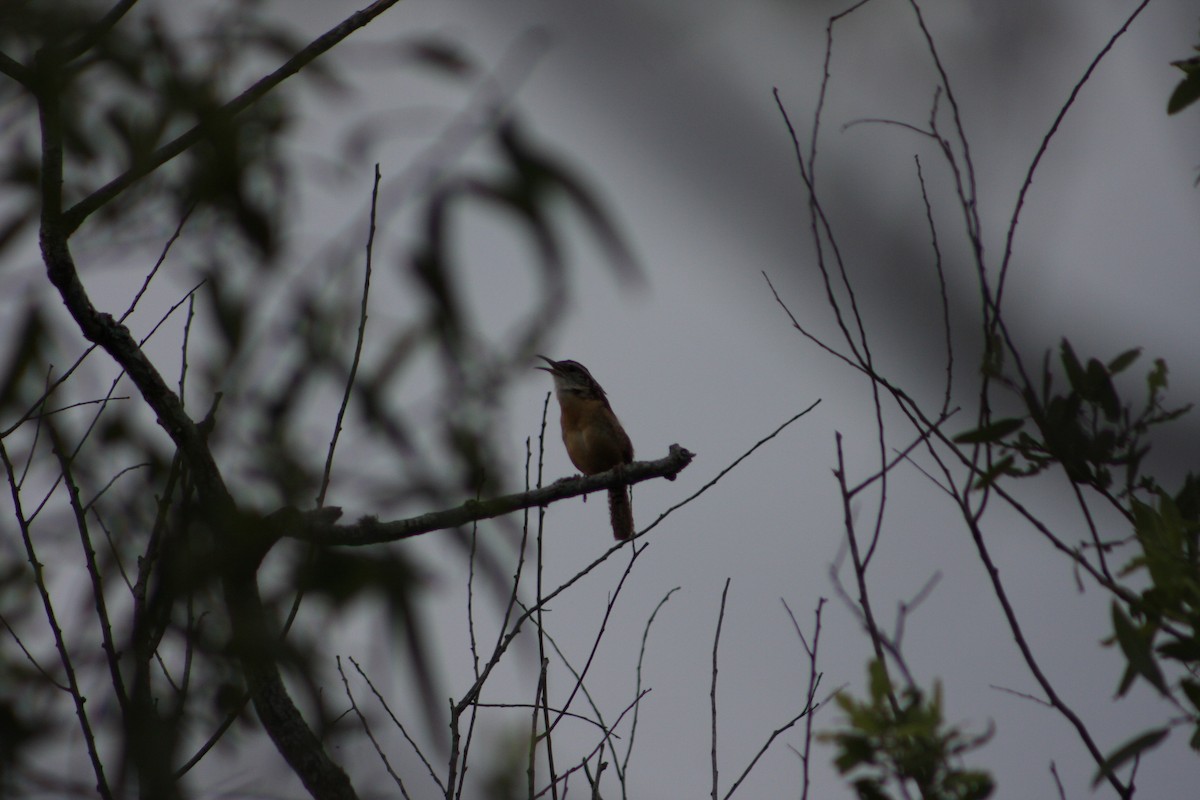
x: 621, y: 510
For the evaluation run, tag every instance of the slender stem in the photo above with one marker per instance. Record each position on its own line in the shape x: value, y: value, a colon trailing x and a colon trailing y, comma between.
x: 713, y: 691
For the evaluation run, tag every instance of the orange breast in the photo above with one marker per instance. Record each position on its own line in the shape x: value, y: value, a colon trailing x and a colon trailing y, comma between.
x: 594, y: 439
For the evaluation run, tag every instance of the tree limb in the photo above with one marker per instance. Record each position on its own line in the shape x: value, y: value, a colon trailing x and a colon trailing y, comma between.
x: 317, y: 527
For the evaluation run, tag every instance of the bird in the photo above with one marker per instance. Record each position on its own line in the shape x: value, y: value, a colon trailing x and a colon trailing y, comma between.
x: 592, y: 434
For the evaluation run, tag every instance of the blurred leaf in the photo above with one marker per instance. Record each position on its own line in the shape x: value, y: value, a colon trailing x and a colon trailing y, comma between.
x: 1075, y: 374
x: 1192, y: 689
x: 1102, y: 391
x: 879, y: 683
x: 1128, y: 751
x: 1136, y: 644
x: 439, y: 55
x: 1004, y: 466
x: 1187, y: 91
x: 903, y: 739
x: 26, y: 364
x: 1188, y: 498
x: 1157, y: 378
x: 1122, y: 362
x: 1185, y: 650
x: 14, y: 225
x: 869, y: 789
x: 992, y: 432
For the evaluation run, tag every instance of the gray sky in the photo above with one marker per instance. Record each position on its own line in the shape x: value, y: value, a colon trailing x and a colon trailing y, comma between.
x: 667, y: 109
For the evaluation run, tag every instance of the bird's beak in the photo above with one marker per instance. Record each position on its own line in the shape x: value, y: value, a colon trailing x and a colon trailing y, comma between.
x: 552, y: 369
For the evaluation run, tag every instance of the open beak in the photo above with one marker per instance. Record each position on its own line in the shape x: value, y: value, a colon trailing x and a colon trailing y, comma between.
x: 552, y: 369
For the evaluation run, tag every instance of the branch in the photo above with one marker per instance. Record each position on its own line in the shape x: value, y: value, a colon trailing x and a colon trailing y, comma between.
x: 39, y: 580
x: 713, y: 691
x: 15, y: 70
x: 94, y: 33
x: 284, y: 723
x: 370, y: 531
x: 74, y: 216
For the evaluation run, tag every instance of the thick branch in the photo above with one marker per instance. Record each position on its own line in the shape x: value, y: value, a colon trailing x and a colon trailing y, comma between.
x: 279, y: 715
x: 371, y: 531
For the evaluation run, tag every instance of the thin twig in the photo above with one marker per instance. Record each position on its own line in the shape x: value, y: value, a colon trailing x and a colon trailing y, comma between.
x: 95, y: 578
x: 1044, y: 146
x: 399, y: 725
x: 362, y: 720
x: 808, y: 709
x: 623, y: 766
x: 1062, y: 795
x: 612, y: 602
x: 50, y: 679
x: 942, y: 289
x: 358, y: 344
x: 599, y: 749
x: 814, y: 681
x: 39, y: 580
x: 713, y: 691
x: 722, y: 473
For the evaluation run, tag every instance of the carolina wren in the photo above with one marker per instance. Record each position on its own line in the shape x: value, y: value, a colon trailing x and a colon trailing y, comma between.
x: 592, y: 433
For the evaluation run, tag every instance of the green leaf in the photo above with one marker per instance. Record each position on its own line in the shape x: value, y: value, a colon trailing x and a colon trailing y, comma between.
x: 992, y: 432
x: 1121, y: 362
x: 1002, y: 467
x: 1127, y: 751
x: 856, y: 750
x: 879, y: 682
x: 1101, y: 390
x: 1075, y: 374
x: 1192, y: 690
x: 1186, y: 93
x: 1186, y: 650
x: 1135, y: 644
x: 1157, y: 379
x: 869, y: 789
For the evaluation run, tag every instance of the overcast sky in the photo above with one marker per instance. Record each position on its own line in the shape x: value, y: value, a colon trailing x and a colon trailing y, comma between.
x: 667, y: 108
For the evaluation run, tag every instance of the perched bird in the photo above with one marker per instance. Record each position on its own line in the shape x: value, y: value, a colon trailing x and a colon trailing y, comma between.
x: 593, y: 435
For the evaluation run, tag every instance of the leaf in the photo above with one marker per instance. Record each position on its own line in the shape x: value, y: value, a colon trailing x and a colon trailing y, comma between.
x: 1127, y: 751
x: 992, y: 432
x: 1002, y: 467
x: 1075, y: 375
x: 1186, y: 93
x: 856, y: 750
x: 1135, y: 644
x: 1192, y: 690
x: 1186, y: 650
x: 1157, y: 379
x: 878, y: 679
x: 868, y: 789
x: 1101, y: 391
x: 1121, y: 362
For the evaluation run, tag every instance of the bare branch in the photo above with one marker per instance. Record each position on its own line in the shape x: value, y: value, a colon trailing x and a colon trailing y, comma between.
x: 720, y: 474
x: 713, y: 691
x: 76, y: 693
x: 1041, y: 151
x: 370, y: 531
x: 362, y: 720
x: 358, y: 343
